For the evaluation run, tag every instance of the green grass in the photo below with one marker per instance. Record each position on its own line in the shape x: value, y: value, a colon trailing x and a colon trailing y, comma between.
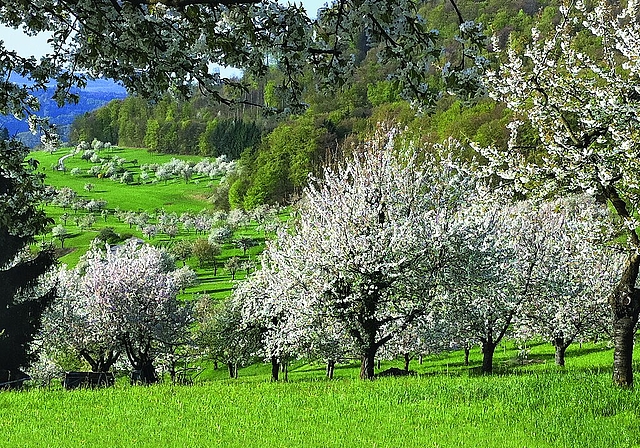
x: 530, y: 405
x: 546, y: 410
x: 173, y: 196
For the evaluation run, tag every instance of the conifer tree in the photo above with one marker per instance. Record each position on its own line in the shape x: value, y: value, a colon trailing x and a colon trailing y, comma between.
x: 22, y: 296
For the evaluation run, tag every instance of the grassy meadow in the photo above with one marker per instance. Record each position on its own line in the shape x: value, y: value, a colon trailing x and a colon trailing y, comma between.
x: 530, y: 404
x: 172, y: 196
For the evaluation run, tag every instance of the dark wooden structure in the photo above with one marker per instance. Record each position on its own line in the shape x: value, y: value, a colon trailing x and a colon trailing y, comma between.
x: 73, y: 380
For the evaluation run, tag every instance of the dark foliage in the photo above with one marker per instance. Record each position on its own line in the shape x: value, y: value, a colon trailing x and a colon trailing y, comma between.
x: 21, y: 301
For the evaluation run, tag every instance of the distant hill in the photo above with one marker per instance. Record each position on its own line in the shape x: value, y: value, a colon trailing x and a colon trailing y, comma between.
x: 97, y: 93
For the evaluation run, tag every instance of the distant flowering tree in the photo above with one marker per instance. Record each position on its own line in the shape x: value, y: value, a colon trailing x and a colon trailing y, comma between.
x: 577, y: 277
x: 221, y: 332
x: 61, y: 233
x: 206, y: 252
x: 583, y: 108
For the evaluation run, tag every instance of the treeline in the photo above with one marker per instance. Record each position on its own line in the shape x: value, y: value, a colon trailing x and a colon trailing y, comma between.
x: 169, y: 127
x: 276, y: 154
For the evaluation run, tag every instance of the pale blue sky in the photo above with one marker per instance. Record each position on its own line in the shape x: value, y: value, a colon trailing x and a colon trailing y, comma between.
x: 37, y: 45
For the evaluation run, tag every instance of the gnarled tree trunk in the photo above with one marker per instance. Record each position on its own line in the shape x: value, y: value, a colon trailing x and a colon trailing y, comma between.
x: 141, y: 359
x: 625, y: 306
x: 368, y: 363
x: 102, y: 363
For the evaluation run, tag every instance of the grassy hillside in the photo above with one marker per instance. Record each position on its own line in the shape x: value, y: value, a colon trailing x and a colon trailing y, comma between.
x: 172, y: 196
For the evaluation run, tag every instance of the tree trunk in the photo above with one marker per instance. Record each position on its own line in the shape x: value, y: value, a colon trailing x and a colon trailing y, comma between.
x: 232, y: 372
x: 331, y: 365
x: 561, y: 347
x: 488, y: 349
x: 275, y: 368
x: 368, y: 364
x: 147, y: 372
x: 625, y: 305
x: 623, y: 333
x: 407, y: 360
x: 103, y: 363
x: 466, y: 355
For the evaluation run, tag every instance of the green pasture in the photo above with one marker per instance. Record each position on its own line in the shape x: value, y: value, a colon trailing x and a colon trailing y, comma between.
x: 531, y: 404
x: 173, y: 196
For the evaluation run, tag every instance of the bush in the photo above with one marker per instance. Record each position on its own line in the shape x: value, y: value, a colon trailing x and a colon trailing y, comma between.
x: 109, y: 236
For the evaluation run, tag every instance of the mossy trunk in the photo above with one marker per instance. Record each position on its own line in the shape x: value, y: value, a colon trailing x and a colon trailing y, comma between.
x: 560, y: 345
x: 625, y: 299
x: 623, y: 334
x: 367, y: 365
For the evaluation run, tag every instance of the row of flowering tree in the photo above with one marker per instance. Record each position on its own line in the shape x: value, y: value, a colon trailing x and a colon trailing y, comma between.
x: 577, y: 88
x: 395, y: 253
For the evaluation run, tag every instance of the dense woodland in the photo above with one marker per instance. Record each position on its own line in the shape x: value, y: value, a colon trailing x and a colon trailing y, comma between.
x: 277, y: 152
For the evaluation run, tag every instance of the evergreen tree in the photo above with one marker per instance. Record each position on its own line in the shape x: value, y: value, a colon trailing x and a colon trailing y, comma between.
x: 22, y: 298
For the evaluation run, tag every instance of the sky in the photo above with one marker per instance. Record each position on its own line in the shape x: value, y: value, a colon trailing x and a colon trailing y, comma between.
x: 37, y: 45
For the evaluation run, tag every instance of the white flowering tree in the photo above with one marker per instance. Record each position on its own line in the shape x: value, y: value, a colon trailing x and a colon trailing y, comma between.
x: 578, y: 275
x: 121, y: 300
x: 583, y: 108
x: 267, y: 313
x: 163, y: 45
x: 221, y: 332
x: 370, y: 247
x: 75, y: 324
x: 493, y: 281
x: 532, y: 264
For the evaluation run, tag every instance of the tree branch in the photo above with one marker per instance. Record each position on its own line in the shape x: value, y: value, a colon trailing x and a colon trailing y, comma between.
x: 183, y: 3
x: 458, y: 13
